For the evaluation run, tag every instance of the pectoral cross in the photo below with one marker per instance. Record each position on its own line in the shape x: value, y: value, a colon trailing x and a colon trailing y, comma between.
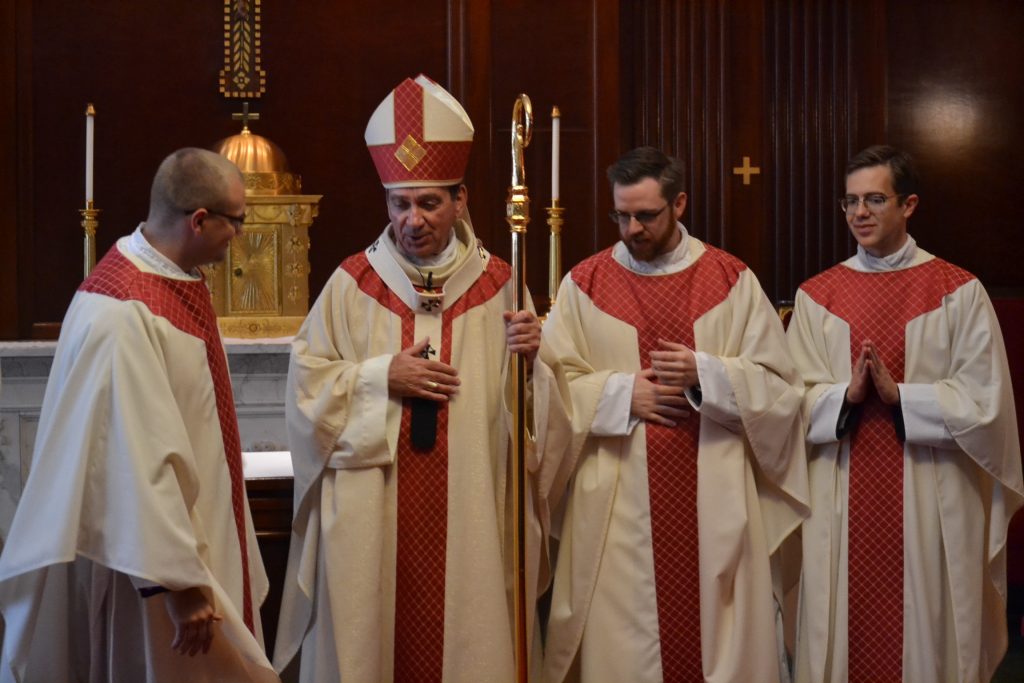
x: 245, y: 117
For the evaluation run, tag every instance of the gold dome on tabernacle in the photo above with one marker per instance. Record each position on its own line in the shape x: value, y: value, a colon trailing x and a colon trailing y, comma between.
x: 262, y: 163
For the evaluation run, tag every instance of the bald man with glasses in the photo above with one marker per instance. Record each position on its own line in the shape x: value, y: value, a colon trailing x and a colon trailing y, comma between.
x: 132, y: 555
x: 685, y: 467
x: 914, y: 459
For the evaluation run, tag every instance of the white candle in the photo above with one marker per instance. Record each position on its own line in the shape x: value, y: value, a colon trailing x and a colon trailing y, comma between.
x: 90, y: 122
x: 556, y: 125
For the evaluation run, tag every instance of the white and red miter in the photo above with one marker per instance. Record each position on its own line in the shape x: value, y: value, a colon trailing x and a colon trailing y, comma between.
x: 419, y: 136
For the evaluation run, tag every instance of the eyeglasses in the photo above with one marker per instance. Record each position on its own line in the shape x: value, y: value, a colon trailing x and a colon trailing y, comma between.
x: 874, y: 202
x: 236, y: 221
x: 644, y: 218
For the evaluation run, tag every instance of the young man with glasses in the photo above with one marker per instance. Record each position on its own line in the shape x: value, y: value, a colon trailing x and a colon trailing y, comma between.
x: 913, y: 452
x: 132, y: 545
x: 685, y: 469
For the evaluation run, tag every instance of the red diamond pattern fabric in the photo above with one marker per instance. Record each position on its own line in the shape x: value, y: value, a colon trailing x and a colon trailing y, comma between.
x: 666, y: 307
x: 878, y: 307
x: 186, y: 305
x: 422, y: 528
x: 444, y: 162
x: 422, y: 540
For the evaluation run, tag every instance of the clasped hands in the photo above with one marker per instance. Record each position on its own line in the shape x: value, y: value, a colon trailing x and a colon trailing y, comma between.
x: 410, y: 374
x: 658, y: 391
x: 869, y: 370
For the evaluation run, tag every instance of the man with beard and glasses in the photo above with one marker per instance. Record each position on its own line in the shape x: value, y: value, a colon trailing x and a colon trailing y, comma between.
x: 685, y: 468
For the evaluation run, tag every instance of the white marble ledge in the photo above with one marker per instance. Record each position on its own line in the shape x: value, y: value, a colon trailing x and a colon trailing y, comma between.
x: 23, y: 349
x: 26, y: 349
x: 267, y: 465
x: 246, y: 357
x: 275, y: 345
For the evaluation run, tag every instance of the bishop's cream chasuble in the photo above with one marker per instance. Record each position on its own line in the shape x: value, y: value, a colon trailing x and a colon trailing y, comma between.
x: 398, y: 564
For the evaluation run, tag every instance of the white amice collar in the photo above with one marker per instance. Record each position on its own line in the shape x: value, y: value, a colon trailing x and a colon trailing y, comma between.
x: 138, y: 246
x: 898, y: 260
x: 672, y: 262
x: 444, y: 258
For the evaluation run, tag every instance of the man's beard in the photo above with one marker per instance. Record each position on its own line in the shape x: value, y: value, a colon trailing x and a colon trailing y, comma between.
x: 649, y: 249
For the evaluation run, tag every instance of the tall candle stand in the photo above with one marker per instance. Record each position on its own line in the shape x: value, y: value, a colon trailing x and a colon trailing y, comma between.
x: 90, y: 221
x: 555, y: 222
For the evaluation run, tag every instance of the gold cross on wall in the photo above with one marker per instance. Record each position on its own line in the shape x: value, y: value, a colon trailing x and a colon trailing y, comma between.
x: 746, y: 170
x: 245, y: 117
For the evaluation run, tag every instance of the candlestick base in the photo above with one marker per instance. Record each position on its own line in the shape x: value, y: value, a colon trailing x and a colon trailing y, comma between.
x: 90, y: 221
x: 555, y: 223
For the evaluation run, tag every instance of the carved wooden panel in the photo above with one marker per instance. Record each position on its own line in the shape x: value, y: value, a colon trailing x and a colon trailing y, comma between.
x: 781, y: 84
x: 825, y: 102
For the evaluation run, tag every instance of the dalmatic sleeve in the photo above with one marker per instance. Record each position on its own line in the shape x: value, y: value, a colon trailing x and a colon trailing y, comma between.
x: 113, y: 476
x: 976, y: 399
x: 823, y: 364
x: 337, y: 406
x: 574, y: 393
x: 767, y: 388
x: 713, y: 397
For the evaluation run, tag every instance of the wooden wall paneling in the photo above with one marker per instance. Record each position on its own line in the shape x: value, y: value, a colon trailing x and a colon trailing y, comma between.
x: 784, y: 83
x: 745, y: 226
x: 956, y: 102
x: 25, y: 213
x: 153, y: 91
x: 667, y: 53
x: 609, y: 137
x: 702, y: 119
x: 469, y: 68
x: 156, y: 91
x: 8, y: 171
x: 698, y: 92
x: 806, y: 54
x: 16, y: 287
x: 826, y: 89
x: 329, y: 65
x: 867, y: 73
x: 569, y: 60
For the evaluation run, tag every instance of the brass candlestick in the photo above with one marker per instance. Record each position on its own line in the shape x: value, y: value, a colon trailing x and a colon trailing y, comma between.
x: 90, y: 221
x: 555, y: 222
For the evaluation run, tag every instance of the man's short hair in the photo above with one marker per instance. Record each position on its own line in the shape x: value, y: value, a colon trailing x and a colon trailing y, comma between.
x: 905, y: 179
x: 649, y: 162
x: 189, y: 179
x: 453, y: 190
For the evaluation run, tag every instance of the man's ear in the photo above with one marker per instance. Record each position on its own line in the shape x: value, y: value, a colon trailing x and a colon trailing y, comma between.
x: 195, y: 221
x: 910, y: 204
x: 460, y: 201
x: 679, y: 205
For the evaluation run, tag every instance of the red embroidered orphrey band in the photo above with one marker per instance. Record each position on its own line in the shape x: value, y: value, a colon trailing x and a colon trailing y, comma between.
x: 640, y: 301
x: 422, y: 527
x: 878, y: 307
